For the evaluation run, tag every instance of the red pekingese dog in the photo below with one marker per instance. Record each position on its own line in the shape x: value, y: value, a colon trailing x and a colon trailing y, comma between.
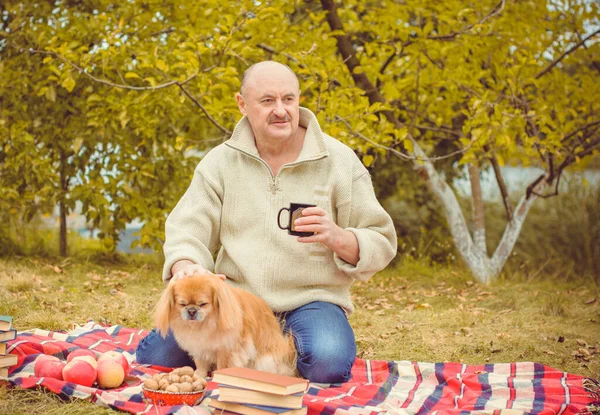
x: 222, y: 326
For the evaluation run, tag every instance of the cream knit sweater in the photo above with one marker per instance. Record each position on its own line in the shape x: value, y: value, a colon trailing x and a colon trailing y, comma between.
x: 231, y: 207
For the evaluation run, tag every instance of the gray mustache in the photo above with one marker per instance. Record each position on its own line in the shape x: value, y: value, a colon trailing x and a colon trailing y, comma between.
x: 276, y: 119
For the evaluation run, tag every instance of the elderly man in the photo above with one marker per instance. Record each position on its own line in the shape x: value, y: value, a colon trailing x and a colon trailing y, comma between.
x: 278, y: 155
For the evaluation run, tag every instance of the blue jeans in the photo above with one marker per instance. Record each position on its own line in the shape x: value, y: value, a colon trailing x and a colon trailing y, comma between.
x: 324, y: 340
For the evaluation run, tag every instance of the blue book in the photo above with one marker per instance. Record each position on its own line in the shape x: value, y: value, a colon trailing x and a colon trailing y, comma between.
x: 248, y: 409
x: 246, y: 396
x: 5, y: 323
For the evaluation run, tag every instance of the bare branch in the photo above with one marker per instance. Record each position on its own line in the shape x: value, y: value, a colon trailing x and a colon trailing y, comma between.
x: 436, y: 63
x: 449, y: 131
x: 501, y: 184
x: 582, y: 128
x: 269, y: 49
x: 564, y: 54
x: 530, y: 188
x: 389, y: 60
x: 163, y: 31
x: 112, y: 84
x: 199, y: 105
x: 495, y: 11
x: 594, y: 63
x: 396, y: 152
x: 548, y: 195
x: 179, y: 84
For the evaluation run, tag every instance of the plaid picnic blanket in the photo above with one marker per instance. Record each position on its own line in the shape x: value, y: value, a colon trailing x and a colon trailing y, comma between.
x: 390, y: 387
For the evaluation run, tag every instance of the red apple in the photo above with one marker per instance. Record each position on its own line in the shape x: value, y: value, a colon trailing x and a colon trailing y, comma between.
x: 112, y: 355
x: 48, y: 367
x: 88, y: 359
x: 110, y: 374
x: 80, y: 372
x: 81, y: 352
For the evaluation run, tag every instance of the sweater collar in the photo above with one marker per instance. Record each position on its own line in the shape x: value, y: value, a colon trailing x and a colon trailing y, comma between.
x: 314, y: 144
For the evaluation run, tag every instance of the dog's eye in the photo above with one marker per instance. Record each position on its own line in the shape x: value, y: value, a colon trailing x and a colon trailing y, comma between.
x: 202, y: 304
x: 182, y: 304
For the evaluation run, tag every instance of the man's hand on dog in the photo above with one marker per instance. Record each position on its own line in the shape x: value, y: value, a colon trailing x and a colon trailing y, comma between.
x: 186, y: 268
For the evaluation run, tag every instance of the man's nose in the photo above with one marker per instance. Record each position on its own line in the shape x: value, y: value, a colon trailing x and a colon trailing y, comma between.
x: 192, y: 312
x: 279, y: 109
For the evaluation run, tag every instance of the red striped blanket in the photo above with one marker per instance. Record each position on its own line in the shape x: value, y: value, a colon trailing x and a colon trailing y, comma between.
x: 391, y: 387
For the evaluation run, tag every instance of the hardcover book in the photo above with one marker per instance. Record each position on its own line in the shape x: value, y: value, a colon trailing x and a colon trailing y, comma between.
x: 8, y: 335
x: 3, y: 372
x: 8, y: 360
x: 5, y: 323
x: 255, y: 409
x: 2, y: 349
x: 247, y: 396
x: 242, y: 377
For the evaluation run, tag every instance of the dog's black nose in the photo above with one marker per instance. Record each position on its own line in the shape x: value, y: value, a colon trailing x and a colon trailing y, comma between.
x: 192, y: 312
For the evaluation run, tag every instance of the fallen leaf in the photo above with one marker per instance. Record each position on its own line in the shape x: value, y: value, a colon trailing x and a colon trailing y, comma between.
x: 581, y: 342
x: 55, y: 268
x: 582, y: 354
x: 561, y: 339
x: 590, y: 301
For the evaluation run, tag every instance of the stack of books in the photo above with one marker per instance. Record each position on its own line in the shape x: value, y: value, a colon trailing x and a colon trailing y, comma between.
x: 252, y: 392
x: 6, y: 333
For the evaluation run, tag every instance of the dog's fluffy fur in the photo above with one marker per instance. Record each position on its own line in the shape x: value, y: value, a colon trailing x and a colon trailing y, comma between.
x: 222, y: 326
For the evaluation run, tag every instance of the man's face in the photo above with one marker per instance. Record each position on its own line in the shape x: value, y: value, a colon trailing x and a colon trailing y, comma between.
x: 270, y: 101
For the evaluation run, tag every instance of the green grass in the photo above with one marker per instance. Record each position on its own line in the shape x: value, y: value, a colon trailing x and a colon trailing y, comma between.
x: 415, y: 311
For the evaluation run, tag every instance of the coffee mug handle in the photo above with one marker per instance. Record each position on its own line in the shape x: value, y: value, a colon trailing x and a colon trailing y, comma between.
x: 279, y: 218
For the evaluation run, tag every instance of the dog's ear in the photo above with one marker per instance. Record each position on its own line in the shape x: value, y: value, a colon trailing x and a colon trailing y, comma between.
x: 162, y: 312
x: 229, y: 311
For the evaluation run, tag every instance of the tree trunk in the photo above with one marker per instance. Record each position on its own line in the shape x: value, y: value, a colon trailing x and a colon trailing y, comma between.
x: 478, y: 213
x: 512, y: 230
x: 62, y: 240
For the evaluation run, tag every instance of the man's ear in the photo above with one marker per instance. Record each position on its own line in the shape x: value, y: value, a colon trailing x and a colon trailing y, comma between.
x: 241, y: 103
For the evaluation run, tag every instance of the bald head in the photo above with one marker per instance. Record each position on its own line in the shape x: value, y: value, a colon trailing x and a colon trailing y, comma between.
x: 265, y: 68
x: 269, y: 98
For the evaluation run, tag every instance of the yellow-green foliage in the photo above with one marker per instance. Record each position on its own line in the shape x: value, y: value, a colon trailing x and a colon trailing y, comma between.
x: 159, y: 83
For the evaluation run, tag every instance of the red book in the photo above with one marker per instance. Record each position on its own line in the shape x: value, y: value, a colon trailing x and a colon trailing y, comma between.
x: 260, y: 381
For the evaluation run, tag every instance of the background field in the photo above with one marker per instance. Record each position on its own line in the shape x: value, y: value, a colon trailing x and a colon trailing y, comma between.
x: 413, y: 311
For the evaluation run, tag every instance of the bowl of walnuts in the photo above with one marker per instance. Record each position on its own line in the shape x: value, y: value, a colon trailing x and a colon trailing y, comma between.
x: 178, y: 387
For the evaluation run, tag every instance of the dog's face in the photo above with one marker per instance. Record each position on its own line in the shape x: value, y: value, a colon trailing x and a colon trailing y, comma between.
x: 196, y: 300
x: 192, y: 300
